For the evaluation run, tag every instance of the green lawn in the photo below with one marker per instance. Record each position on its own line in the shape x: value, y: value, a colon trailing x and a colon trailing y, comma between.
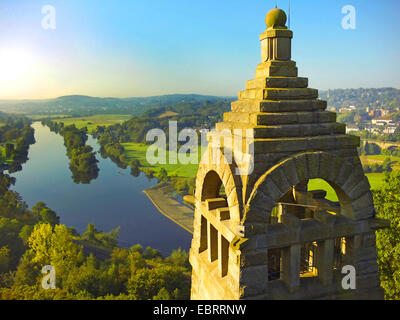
x: 91, y: 122
x: 379, y: 159
x: 138, y: 151
x: 375, y: 180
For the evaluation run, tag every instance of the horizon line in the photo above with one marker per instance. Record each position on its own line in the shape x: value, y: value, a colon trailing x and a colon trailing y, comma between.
x: 163, y: 95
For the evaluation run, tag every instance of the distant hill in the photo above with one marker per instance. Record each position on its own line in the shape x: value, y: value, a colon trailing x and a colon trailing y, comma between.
x: 78, y: 105
x: 388, y: 98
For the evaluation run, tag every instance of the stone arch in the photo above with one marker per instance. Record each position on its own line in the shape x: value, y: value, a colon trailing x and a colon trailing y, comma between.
x: 348, y: 181
x: 211, y: 185
x: 209, y: 178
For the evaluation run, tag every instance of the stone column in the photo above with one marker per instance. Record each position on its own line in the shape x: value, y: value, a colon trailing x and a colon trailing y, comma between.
x: 324, y: 261
x: 212, y: 242
x: 291, y: 267
x: 223, y: 248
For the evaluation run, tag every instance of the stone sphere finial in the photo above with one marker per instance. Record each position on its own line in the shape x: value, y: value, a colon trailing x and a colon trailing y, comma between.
x: 276, y: 18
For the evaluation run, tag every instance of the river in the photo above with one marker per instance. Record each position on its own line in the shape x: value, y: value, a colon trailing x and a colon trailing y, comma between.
x: 114, y: 199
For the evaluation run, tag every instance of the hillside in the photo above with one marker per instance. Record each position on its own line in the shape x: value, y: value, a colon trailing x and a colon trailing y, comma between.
x: 77, y: 105
x: 388, y: 98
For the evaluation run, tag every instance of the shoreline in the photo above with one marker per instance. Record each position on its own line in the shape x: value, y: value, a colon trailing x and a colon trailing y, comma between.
x: 177, y: 212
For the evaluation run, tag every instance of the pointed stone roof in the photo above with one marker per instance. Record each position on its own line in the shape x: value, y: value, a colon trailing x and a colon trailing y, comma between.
x: 278, y: 105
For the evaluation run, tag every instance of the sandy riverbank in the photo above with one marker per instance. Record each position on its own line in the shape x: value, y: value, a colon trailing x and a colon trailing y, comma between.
x: 179, y: 213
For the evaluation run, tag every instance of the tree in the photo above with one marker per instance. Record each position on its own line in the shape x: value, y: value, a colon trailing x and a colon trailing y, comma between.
x: 90, y: 233
x: 25, y: 233
x: 163, y: 175
x: 44, y: 214
x: 387, y: 204
x: 4, y: 259
x: 9, y: 150
x: 179, y: 257
x: 54, y: 246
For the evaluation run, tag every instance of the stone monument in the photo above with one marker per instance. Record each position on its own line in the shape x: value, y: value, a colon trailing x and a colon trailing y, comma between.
x: 260, y: 234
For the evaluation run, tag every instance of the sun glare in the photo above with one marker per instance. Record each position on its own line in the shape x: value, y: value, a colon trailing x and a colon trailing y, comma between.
x: 16, y: 66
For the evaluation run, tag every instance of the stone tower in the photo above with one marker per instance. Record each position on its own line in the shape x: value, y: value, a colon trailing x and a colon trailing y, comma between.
x: 260, y: 233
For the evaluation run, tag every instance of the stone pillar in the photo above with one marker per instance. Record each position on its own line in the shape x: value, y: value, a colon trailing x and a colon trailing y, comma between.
x: 223, y: 248
x: 324, y: 260
x: 212, y: 242
x: 291, y: 267
x: 203, y: 234
x: 276, y: 45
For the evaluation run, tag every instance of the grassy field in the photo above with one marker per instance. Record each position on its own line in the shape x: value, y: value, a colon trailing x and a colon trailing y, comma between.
x: 379, y: 159
x: 375, y: 180
x: 138, y: 151
x: 92, y: 122
x: 45, y: 116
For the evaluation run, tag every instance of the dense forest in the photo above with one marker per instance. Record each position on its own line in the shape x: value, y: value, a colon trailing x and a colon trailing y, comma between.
x: 16, y: 135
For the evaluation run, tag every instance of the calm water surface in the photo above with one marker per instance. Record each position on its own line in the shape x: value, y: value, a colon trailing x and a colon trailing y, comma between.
x: 114, y: 199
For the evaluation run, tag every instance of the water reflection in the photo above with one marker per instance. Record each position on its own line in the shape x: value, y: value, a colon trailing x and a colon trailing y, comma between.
x: 113, y: 199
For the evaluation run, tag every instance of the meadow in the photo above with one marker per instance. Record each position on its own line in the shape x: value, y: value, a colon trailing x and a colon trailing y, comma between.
x: 92, y: 122
x: 138, y: 151
x: 376, y: 180
x: 379, y: 159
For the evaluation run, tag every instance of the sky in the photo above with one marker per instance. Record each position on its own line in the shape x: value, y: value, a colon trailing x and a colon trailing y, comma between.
x: 129, y: 48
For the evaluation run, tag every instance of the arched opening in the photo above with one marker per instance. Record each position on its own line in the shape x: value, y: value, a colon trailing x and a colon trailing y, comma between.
x: 212, y: 187
x: 307, y: 197
x: 215, y: 210
x: 308, y: 201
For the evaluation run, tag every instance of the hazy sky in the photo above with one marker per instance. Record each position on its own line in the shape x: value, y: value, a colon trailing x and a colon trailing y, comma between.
x: 147, y: 47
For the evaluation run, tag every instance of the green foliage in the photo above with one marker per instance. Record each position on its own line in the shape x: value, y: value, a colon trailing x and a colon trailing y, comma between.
x: 83, y: 162
x: 151, y: 253
x: 16, y: 136
x: 387, y: 204
x: 54, y: 246
x: 386, y: 166
x: 9, y: 237
x: 4, y: 259
x: 44, y: 214
x: 101, y: 239
x: 25, y: 233
x: 162, y: 281
x: 371, y: 148
x: 179, y: 257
